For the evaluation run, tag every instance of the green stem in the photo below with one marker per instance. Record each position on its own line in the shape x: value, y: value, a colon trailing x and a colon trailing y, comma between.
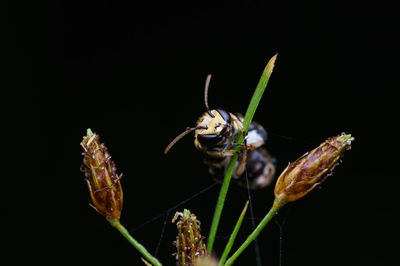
x: 258, y: 93
x: 115, y: 223
x: 278, y: 203
x: 220, y: 202
x: 233, y: 236
x: 251, y: 109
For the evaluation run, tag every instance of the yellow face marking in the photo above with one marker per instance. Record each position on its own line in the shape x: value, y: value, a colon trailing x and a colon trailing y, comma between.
x: 214, y: 124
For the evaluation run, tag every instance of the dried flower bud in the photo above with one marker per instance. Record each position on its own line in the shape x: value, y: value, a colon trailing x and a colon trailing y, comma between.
x: 311, y: 169
x: 189, y: 242
x: 101, y: 176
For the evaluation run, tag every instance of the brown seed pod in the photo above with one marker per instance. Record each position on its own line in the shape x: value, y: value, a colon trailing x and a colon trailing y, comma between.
x: 101, y: 176
x: 311, y: 169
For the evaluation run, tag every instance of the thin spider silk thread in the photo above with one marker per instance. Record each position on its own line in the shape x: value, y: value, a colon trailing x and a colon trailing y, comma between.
x: 280, y: 225
x: 253, y: 224
x: 172, y: 208
x: 162, y: 234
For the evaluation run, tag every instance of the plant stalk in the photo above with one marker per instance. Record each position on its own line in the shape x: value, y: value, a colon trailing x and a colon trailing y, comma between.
x: 220, y: 202
x: 278, y: 203
x: 233, y: 236
x: 251, y: 109
x: 115, y: 223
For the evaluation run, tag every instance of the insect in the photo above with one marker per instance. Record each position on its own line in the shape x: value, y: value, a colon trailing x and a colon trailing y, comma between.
x: 215, y: 133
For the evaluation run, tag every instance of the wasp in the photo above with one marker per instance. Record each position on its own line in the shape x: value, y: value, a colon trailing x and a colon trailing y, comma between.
x: 214, y: 135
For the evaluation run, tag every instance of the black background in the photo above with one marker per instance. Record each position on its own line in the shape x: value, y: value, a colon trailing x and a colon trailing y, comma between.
x: 134, y: 73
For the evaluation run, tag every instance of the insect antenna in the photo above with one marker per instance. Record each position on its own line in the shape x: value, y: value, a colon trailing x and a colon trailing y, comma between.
x: 206, y: 95
x: 184, y: 133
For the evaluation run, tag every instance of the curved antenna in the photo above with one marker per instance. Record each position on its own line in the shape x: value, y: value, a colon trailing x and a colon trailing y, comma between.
x: 184, y: 133
x: 206, y: 95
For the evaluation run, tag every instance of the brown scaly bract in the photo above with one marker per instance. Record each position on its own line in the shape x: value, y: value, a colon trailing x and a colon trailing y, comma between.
x: 189, y: 242
x: 311, y: 169
x: 102, y: 178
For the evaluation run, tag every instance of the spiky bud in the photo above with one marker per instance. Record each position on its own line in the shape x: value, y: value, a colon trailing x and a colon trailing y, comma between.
x: 101, y: 176
x: 311, y: 169
x: 189, y: 242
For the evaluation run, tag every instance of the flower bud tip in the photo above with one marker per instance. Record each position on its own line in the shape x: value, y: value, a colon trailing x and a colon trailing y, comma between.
x: 186, y: 214
x: 89, y: 132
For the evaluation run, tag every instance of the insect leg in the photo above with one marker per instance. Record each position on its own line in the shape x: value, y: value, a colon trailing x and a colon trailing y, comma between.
x: 241, y: 167
x: 245, y: 146
x: 242, y: 164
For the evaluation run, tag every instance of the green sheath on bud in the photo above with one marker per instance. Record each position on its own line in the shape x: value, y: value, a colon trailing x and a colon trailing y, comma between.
x: 101, y: 176
x: 311, y: 169
x: 189, y: 242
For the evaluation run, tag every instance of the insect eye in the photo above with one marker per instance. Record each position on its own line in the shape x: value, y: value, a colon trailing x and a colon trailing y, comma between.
x: 209, y: 139
x: 225, y: 130
x: 225, y: 115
